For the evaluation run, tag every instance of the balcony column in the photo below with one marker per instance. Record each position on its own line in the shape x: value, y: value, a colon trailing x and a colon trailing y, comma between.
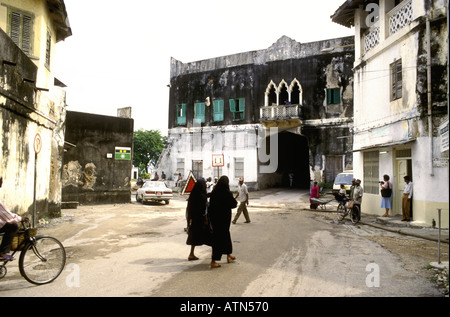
x: 359, y: 24
x: 384, y: 21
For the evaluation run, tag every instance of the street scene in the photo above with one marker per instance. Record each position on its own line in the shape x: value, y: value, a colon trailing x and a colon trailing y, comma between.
x: 287, y: 250
x: 203, y: 149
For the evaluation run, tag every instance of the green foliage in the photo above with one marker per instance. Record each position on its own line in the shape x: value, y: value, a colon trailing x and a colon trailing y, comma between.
x: 147, y: 147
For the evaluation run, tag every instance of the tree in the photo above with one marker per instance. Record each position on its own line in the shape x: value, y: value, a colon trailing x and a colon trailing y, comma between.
x: 147, y: 147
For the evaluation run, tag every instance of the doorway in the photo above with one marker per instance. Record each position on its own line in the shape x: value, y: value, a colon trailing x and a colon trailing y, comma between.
x: 293, y: 157
x: 403, y: 167
x: 197, y: 169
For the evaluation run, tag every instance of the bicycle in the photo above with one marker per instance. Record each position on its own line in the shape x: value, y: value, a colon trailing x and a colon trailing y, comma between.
x: 343, y: 211
x: 42, y: 258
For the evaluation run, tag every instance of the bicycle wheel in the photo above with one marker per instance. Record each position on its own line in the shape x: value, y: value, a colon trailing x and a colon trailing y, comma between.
x: 42, y: 261
x: 355, y: 214
x: 341, y: 212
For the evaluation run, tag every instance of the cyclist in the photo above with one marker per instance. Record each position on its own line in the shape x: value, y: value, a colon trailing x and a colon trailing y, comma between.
x: 8, y: 226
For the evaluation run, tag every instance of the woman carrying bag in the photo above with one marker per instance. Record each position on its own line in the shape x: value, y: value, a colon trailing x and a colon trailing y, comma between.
x: 386, y: 195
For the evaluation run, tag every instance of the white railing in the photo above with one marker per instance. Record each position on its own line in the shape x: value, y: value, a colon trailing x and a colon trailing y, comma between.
x: 280, y: 112
x: 371, y: 38
x: 400, y: 16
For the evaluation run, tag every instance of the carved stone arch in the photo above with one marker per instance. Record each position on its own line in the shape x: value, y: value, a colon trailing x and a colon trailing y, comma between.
x: 296, y: 97
x: 268, y: 97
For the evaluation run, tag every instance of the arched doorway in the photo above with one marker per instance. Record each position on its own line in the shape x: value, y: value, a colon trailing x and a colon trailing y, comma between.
x: 293, y: 156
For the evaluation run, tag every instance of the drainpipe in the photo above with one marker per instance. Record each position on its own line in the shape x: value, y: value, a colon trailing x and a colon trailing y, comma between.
x: 430, y: 119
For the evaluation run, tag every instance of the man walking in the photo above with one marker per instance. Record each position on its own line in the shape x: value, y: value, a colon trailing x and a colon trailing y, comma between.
x: 242, y: 198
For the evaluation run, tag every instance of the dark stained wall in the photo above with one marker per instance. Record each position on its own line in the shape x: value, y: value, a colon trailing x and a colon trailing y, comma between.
x: 89, y: 176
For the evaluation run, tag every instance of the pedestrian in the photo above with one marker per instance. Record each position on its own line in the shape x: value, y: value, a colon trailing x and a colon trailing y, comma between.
x: 221, y: 203
x: 242, y: 198
x: 315, y: 193
x: 357, y: 195
x: 156, y: 177
x: 8, y: 226
x: 209, y: 186
x: 196, y: 218
x: 386, y: 194
x: 406, y: 199
x: 291, y: 178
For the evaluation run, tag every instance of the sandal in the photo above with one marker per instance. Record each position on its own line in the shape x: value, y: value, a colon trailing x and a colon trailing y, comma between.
x: 214, y: 265
x: 230, y: 258
x: 192, y: 258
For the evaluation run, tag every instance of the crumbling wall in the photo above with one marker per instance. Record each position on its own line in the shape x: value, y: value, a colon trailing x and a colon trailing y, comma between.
x: 91, y: 173
x: 26, y: 114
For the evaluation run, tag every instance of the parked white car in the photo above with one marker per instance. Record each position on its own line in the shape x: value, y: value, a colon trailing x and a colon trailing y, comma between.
x: 154, y: 191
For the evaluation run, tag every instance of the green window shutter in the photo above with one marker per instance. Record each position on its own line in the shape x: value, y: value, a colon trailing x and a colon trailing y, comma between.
x: 232, y: 105
x: 181, y: 113
x: 200, y: 111
x: 238, y: 109
x: 337, y: 96
x: 218, y: 106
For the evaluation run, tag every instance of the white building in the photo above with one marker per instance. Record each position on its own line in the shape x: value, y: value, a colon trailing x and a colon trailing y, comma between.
x: 401, y: 101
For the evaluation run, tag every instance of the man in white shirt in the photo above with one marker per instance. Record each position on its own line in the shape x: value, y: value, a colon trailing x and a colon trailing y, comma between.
x: 8, y: 226
x: 242, y: 198
x: 209, y: 186
x: 406, y: 199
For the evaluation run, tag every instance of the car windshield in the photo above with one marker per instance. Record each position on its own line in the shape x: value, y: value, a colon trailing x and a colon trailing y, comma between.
x: 345, y: 179
x: 156, y: 185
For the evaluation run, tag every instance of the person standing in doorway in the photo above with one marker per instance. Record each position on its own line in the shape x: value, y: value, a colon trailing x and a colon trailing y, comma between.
x: 406, y: 199
x: 386, y: 195
x: 242, y: 198
x: 221, y: 203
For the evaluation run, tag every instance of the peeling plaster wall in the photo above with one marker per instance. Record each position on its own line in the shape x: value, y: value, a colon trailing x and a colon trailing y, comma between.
x: 24, y: 113
x: 89, y: 176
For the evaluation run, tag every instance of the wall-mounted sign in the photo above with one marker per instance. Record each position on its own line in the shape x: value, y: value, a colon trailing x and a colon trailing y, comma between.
x: 123, y: 153
x: 37, y: 143
x: 217, y: 160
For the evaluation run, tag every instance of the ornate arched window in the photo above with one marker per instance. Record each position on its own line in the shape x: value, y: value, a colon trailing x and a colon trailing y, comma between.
x: 296, y: 92
x: 271, y: 94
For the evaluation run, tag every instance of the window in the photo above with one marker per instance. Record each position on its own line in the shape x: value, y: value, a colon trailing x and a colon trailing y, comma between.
x: 396, y: 80
x: 199, y: 115
x: 218, y: 107
x: 371, y: 172
x: 21, y: 29
x: 237, y: 107
x: 181, y: 113
x: 48, y: 49
x: 238, y: 167
x: 334, y: 96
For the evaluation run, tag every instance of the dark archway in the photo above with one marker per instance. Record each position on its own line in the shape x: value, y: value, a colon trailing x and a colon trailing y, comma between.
x: 293, y: 156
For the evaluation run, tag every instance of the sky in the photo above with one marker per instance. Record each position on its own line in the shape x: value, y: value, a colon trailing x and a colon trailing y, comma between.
x: 119, y: 52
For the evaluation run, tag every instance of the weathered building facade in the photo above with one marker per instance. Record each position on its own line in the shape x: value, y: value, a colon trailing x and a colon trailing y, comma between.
x: 32, y: 105
x: 97, y: 159
x: 264, y: 114
x: 401, y: 101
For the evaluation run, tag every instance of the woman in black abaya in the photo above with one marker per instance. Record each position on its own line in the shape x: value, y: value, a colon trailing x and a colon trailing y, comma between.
x: 221, y: 203
x: 196, y: 210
